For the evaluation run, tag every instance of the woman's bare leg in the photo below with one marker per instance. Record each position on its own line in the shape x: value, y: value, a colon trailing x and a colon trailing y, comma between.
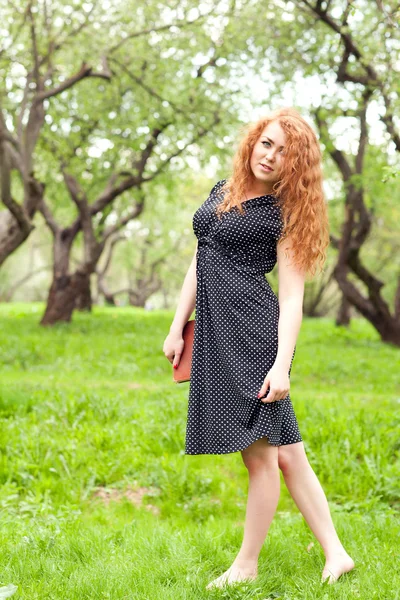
x: 310, y: 499
x: 261, y: 460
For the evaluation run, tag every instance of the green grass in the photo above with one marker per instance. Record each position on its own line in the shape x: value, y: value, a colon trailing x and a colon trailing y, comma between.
x: 91, y: 406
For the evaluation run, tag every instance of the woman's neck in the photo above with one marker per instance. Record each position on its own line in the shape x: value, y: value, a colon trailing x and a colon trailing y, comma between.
x: 258, y: 190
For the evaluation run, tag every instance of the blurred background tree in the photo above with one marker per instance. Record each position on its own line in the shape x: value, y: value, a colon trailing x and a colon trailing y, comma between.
x: 117, y: 119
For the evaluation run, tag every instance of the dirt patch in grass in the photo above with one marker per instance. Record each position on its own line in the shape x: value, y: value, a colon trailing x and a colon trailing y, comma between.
x: 133, y: 494
x: 134, y: 386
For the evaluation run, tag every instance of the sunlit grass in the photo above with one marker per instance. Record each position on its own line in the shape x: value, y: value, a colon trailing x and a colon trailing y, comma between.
x: 91, y: 406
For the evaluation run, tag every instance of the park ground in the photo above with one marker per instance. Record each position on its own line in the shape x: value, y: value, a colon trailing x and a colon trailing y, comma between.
x: 98, y: 500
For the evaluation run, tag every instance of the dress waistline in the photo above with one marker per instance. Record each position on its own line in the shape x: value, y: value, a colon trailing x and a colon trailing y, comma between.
x: 242, y: 259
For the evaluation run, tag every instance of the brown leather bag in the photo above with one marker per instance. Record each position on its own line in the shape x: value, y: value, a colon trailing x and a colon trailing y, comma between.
x: 182, y: 372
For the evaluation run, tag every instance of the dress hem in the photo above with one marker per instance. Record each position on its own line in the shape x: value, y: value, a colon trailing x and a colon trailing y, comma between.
x: 244, y: 448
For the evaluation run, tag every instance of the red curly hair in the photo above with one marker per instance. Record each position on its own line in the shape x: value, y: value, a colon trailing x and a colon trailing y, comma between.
x: 299, y: 192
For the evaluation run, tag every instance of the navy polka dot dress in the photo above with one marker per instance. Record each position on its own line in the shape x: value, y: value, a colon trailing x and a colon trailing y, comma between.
x: 236, y: 330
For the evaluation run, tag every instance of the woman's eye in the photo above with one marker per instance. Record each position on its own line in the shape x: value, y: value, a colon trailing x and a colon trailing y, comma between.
x: 281, y: 151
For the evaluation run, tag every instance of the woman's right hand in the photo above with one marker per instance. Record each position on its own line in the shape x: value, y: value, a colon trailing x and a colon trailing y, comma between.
x: 173, y: 347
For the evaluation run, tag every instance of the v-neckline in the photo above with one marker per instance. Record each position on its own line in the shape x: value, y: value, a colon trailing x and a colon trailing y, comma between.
x: 255, y: 197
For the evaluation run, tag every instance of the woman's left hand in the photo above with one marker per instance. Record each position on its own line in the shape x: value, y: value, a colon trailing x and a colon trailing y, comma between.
x: 278, y: 382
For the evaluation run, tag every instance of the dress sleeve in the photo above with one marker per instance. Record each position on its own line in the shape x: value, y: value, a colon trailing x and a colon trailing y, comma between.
x: 215, y: 189
x: 278, y: 225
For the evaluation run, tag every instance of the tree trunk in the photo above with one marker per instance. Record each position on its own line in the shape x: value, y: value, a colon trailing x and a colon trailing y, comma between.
x: 355, y: 232
x: 84, y: 299
x: 62, y: 297
x: 14, y: 233
x: 104, y: 291
x: 136, y: 299
x: 343, y: 316
x: 374, y: 308
x: 109, y: 299
x: 11, y: 235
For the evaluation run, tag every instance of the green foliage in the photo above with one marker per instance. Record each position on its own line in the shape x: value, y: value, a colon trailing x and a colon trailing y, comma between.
x: 91, y: 407
x: 390, y: 172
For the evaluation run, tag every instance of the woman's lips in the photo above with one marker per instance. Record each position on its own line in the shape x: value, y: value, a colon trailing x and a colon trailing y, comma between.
x: 267, y: 169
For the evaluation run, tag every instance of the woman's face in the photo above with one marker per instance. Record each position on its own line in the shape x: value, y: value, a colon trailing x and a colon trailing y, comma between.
x: 269, y: 151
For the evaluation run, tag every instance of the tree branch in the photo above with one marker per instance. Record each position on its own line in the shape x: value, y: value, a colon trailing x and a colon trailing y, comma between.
x: 91, y: 245
x: 337, y: 155
x: 49, y: 218
x: 85, y: 71
x: 134, y: 34
x: 9, y: 294
x: 19, y: 213
x: 123, y: 221
x: 35, y: 54
x: 147, y: 88
x: 102, y: 272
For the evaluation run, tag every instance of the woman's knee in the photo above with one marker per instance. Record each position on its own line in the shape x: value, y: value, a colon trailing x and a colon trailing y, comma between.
x: 260, y: 455
x: 291, y: 456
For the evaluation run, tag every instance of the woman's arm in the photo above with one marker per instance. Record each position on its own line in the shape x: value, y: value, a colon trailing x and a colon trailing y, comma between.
x: 290, y: 295
x: 291, y: 292
x: 187, y: 298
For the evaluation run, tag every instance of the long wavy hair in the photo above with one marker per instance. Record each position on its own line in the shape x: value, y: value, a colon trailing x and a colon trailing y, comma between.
x: 299, y: 193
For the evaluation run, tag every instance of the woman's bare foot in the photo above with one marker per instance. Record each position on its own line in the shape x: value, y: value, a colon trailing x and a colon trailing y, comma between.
x: 236, y: 572
x: 336, y: 565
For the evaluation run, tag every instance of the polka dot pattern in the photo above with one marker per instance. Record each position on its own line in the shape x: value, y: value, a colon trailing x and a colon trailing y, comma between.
x: 236, y: 330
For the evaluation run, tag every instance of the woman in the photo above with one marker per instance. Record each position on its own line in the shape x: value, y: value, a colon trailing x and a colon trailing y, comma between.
x: 272, y: 209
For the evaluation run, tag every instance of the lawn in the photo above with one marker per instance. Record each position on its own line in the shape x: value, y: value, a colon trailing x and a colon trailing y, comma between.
x: 98, y: 500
